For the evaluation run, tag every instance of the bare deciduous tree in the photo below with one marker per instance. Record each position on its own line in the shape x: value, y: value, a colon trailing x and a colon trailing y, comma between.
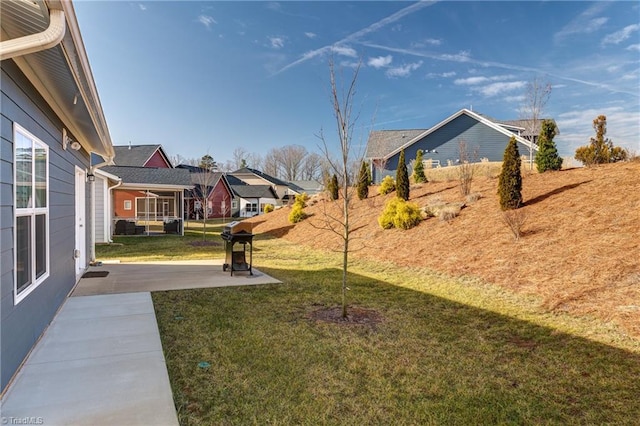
x: 342, y: 99
x: 204, y: 179
x: 536, y: 96
x: 312, y: 167
x: 270, y: 164
x: 467, y: 167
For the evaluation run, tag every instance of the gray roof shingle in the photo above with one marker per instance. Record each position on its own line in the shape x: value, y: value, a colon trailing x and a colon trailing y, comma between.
x: 253, y: 191
x: 382, y: 142
x: 151, y: 176
x: 134, y: 155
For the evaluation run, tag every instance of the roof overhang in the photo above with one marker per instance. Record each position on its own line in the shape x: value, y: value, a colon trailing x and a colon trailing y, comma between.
x: 61, y: 74
x: 106, y: 175
x: 447, y: 120
x: 153, y: 186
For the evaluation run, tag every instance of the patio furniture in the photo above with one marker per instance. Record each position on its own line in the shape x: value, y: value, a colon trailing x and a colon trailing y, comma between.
x: 172, y: 226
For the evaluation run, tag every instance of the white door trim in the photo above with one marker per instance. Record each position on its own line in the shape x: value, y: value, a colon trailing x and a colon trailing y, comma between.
x: 80, y: 252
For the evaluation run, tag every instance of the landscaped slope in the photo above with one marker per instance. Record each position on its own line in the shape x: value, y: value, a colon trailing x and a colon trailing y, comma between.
x: 580, y: 252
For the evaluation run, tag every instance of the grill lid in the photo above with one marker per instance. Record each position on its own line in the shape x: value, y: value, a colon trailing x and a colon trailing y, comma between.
x: 237, y: 227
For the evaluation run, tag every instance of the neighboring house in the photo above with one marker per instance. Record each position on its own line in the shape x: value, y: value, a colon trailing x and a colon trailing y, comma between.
x: 484, y: 139
x: 51, y: 120
x: 148, y: 198
x: 253, y: 198
x: 142, y: 156
x: 221, y: 201
x: 310, y: 187
x: 284, y: 191
x: 144, y: 192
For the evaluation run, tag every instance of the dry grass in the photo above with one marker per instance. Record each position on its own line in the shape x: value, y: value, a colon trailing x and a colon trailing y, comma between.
x: 579, y: 255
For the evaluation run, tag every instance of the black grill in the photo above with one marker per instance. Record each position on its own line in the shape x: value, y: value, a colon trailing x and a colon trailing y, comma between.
x: 236, y: 236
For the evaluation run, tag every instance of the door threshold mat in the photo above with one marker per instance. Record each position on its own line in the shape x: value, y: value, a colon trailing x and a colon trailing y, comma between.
x: 95, y: 274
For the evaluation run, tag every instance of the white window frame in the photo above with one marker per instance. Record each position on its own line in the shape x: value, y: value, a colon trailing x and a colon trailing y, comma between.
x: 234, y: 204
x: 127, y: 205
x: 31, y: 212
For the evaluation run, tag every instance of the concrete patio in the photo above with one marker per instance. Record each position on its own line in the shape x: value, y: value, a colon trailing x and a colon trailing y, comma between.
x: 100, y: 362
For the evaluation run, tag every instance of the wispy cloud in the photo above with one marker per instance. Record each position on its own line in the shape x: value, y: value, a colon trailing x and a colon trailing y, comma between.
x: 620, y: 36
x: 585, y: 23
x: 465, y: 57
x: 380, y: 61
x: 426, y: 42
x: 274, y: 5
x: 515, y: 99
x: 404, y: 70
x: 495, y: 89
x: 470, y: 81
x: 276, y: 42
x: 358, y: 34
x: 142, y: 6
x: 206, y: 20
x: 622, y: 126
x: 344, y: 51
x: 635, y: 47
x: 310, y: 34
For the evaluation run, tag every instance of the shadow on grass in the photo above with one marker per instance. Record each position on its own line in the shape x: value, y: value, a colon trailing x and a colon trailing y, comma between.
x: 554, y: 192
x: 431, y: 360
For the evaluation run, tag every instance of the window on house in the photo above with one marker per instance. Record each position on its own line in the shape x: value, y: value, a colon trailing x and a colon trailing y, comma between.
x: 31, y: 159
x: 252, y: 207
x: 234, y: 204
x: 127, y: 204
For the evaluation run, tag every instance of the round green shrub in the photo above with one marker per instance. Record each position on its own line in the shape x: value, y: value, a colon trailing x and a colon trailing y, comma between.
x: 387, y: 185
x: 407, y: 215
x: 399, y: 214
x: 297, y: 213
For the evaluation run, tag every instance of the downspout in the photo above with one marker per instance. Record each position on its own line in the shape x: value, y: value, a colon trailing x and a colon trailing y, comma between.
x: 92, y: 208
x: 32, y: 43
x: 110, y: 194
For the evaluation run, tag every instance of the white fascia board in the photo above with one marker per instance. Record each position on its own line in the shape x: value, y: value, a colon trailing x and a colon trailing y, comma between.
x: 106, y: 175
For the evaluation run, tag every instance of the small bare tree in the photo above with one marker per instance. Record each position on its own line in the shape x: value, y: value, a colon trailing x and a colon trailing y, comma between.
x: 467, y: 166
x: 342, y: 99
x: 536, y: 96
x: 204, y: 179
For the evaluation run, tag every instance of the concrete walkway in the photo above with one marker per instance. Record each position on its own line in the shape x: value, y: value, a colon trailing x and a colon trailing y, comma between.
x: 100, y: 362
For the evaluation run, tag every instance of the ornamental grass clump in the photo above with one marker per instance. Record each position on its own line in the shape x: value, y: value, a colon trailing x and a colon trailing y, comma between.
x: 387, y: 186
x: 268, y: 208
x: 399, y: 214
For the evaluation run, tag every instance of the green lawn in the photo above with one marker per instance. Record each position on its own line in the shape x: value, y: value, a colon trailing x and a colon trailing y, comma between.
x: 449, y: 351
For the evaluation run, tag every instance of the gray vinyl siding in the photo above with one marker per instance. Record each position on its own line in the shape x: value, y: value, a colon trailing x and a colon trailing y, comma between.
x: 488, y: 142
x: 100, y: 207
x: 22, y: 324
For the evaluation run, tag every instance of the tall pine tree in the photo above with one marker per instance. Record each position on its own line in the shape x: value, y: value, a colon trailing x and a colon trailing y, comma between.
x: 363, y: 181
x: 402, y: 178
x: 547, y: 157
x: 418, y: 169
x: 510, y: 180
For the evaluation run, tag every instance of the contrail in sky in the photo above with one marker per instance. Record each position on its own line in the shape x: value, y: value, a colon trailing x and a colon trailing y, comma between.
x: 355, y: 36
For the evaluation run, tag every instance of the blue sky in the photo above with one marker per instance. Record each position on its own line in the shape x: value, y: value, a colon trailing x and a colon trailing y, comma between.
x: 207, y: 77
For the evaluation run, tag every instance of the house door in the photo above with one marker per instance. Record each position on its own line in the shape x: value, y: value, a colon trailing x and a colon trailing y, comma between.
x: 80, y: 252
